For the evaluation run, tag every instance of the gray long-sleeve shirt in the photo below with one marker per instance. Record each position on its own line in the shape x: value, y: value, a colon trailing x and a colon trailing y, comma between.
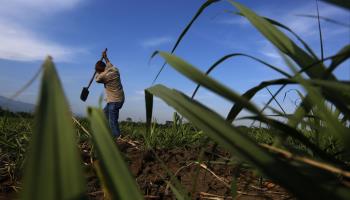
x: 110, y: 77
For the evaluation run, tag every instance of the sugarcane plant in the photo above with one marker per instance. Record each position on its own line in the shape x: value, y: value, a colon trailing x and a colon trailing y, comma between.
x: 323, y: 92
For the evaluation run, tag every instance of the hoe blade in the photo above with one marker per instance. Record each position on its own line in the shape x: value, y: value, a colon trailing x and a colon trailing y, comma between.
x: 84, y: 94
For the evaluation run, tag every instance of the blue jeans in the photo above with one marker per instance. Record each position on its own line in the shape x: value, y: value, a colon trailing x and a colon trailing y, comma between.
x: 111, y: 111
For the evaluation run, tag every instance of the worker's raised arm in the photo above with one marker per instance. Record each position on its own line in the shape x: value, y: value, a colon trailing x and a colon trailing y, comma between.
x: 99, y: 78
x: 104, y: 55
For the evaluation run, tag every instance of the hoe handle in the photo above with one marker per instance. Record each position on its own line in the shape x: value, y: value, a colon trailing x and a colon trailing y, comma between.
x: 93, y: 76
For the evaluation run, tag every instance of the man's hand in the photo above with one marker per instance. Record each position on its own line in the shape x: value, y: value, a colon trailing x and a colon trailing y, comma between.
x: 104, y: 56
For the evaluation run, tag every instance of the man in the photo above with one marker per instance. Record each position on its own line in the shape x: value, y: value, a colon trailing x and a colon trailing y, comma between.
x: 109, y: 75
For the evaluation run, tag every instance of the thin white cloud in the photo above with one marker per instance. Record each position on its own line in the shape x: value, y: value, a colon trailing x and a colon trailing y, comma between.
x: 29, y: 8
x: 140, y: 92
x: 272, y: 55
x: 234, y: 20
x: 154, y: 42
x: 308, y: 27
x: 268, y: 50
x: 139, y: 95
x: 19, y: 41
x: 204, y: 95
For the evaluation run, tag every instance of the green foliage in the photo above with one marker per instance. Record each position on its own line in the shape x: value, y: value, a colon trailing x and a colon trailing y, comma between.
x: 174, y: 134
x: 7, y: 113
x: 237, y: 142
x: 331, y: 128
x: 318, y: 129
x: 53, y: 168
x: 282, y: 42
x: 115, y: 172
x: 14, y: 137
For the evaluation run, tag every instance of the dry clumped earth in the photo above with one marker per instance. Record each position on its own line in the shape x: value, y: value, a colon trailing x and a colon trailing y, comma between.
x: 214, y: 178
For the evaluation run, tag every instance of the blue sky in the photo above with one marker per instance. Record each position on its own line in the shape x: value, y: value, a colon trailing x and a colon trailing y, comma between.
x: 75, y: 32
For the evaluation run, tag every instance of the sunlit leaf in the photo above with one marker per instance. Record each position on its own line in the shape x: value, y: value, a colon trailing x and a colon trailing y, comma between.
x: 53, y: 168
x: 116, y: 174
x: 238, y: 143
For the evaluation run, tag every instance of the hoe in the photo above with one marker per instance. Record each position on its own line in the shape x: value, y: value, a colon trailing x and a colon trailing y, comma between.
x: 85, y: 92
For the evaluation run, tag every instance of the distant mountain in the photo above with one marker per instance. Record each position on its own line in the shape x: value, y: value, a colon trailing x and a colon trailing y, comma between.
x: 16, y: 106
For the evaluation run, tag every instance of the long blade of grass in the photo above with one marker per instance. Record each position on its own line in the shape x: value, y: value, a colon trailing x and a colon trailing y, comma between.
x: 282, y: 42
x: 252, y: 57
x: 342, y: 89
x: 319, y: 30
x: 306, y: 46
x: 303, y: 109
x: 337, y: 59
x: 218, y: 62
x: 238, y: 143
x: 274, y: 98
x: 343, y: 55
x: 199, y: 77
x: 183, y: 33
x: 29, y: 83
x: 269, y: 101
x: 53, y: 169
x: 280, y: 25
x: 237, y: 108
x: 339, y: 55
x: 241, y: 101
x: 106, y: 193
x: 119, y: 180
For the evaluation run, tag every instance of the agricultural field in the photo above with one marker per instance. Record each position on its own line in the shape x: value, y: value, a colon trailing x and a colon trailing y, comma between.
x: 177, y: 149
x: 202, y: 167
x: 200, y: 154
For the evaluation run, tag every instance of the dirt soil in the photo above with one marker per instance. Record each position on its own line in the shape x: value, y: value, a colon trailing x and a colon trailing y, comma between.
x: 214, y: 178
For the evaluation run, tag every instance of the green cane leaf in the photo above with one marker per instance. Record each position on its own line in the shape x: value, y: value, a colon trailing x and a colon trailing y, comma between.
x: 53, y: 168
